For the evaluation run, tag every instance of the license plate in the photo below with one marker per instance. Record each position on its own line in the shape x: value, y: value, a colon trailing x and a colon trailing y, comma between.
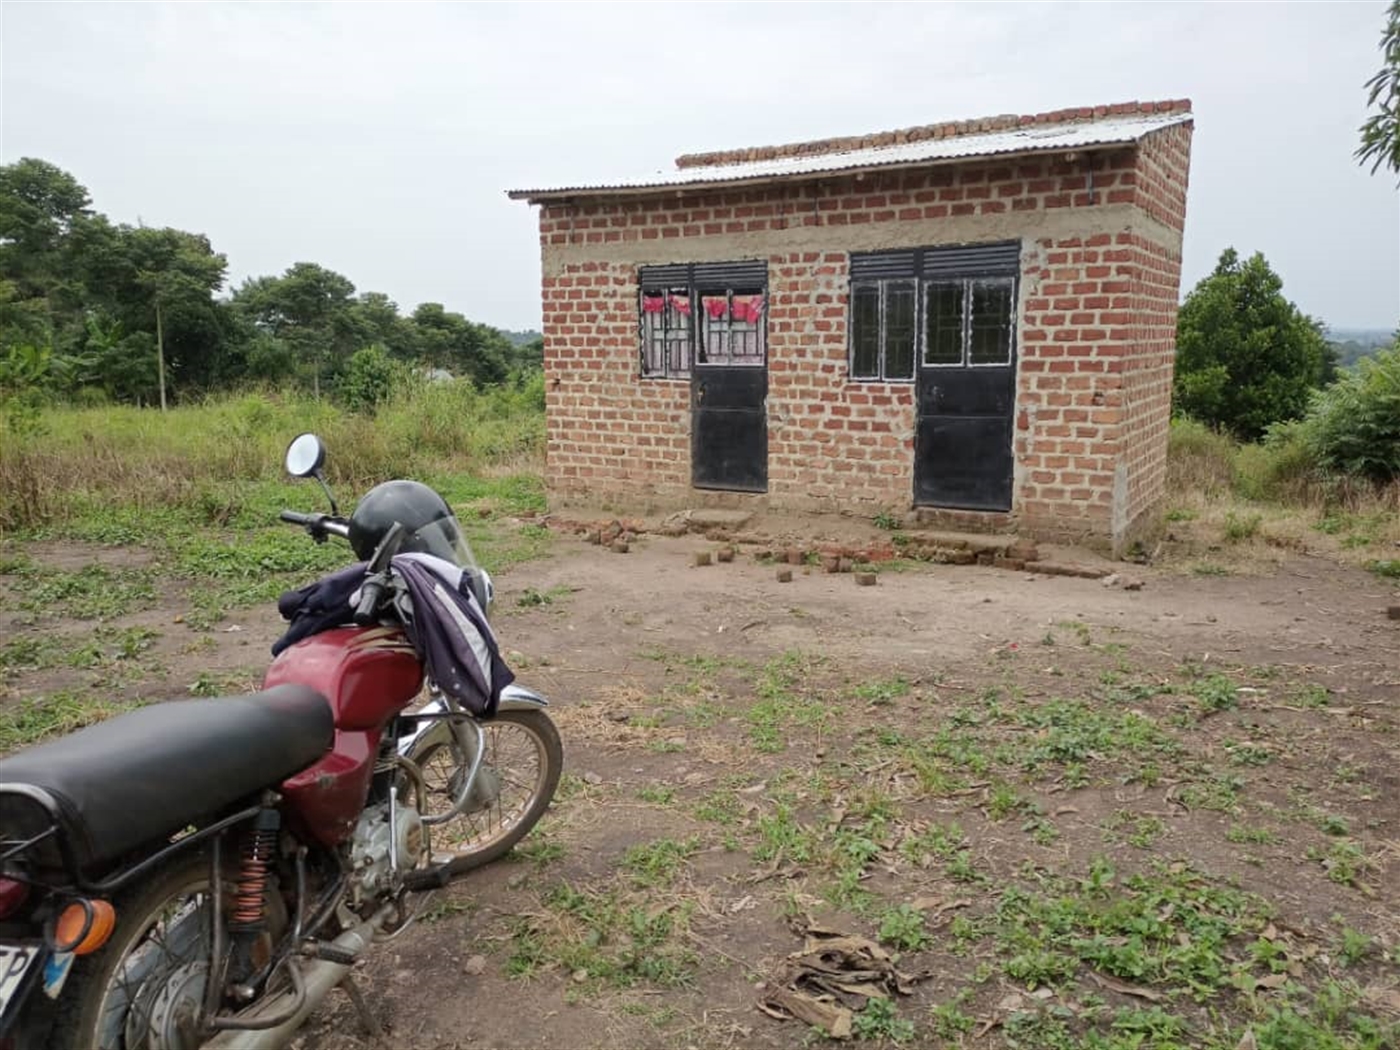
x: 16, y: 962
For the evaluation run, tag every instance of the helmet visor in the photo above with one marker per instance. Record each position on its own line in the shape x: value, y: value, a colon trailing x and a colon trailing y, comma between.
x: 444, y: 539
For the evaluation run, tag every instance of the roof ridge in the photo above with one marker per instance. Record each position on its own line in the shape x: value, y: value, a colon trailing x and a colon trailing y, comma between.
x: 919, y: 133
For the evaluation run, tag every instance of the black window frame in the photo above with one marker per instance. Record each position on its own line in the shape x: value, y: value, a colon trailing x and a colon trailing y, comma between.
x: 688, y: 346
x: 964, y: 266
x: 881, y: 374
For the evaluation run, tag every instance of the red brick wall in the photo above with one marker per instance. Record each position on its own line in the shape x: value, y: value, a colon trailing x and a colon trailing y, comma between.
x: 1163, y: 165
x: 1100, y: 264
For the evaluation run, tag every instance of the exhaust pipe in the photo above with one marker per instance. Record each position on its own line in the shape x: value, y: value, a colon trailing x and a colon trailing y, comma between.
x: 319, y: 977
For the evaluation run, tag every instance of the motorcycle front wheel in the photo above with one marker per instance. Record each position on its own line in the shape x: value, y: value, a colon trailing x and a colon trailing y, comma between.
x: 519, y: 773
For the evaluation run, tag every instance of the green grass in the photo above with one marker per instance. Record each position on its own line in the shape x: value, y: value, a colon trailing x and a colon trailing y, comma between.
x: 882, y: 691
x: 719, y: 807
x: 1170, y: 927
x: 94, y: 592
x: 783, y: 704
x: 1138, y: 830
x: 607, y: 938
x: 212, y: 456
x: 541, y: 848
x: 656, y: 864
x: 1243, y: 835
x: 531, y: 598
x: 1389, y: 568
x: 783, y: 839
x: 879, y: 1021
x: 903, y: 927
x: 1215, y: 693
x: 35, y: 720
x: 1240, y: 527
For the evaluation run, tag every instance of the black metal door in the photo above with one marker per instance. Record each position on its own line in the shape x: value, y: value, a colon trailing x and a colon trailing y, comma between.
x: 729, y: 381
x: 966, y: 394
x: 729, y: 428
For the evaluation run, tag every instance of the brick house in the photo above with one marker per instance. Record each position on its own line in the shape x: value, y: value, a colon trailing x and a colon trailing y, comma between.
x: 974, y: 319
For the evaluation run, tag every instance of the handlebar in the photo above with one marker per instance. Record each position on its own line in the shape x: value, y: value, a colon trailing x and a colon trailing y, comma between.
x: 371, y: 593
x: 318, y: 525
x: 376, y: 572
x: 377, y: 576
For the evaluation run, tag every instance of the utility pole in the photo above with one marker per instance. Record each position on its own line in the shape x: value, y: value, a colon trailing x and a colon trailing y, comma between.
x: 160, y: 354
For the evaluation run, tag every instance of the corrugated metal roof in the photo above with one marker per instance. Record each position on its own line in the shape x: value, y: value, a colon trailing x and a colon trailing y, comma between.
x: 1032, y: 138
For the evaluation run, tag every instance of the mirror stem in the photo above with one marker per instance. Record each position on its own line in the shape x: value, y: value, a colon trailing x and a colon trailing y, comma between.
x: 321, y: 477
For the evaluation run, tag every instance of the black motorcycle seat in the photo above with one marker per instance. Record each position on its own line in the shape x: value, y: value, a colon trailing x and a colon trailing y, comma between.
x: 144, y: 775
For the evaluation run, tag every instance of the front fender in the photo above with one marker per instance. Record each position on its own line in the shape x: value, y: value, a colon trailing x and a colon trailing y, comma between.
x: 514, y: 697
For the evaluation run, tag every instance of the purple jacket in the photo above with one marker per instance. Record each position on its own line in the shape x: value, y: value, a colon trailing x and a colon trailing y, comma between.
x: 441, y: 617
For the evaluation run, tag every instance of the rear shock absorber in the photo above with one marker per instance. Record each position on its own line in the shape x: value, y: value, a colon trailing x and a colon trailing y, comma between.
x: 248, y: 914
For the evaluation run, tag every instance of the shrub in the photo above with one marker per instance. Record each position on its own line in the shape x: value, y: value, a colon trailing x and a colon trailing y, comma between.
x: 1282, y: 466
x: 1353, y: 426
x: 1199, y: 458
x: 370, y: 378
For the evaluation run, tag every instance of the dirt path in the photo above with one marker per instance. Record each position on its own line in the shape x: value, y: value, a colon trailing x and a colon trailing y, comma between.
x: 648, y: 637
x: 744, y: 755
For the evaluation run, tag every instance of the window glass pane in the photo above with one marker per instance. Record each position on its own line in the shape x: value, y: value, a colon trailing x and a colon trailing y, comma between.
x: 943, y: 316
x: 899, y: 330
x: 732, y: 325
x: 714, y: 322
x: 992, y: 310
x: 665, y: 332
x: 678, y: 332
x: 865, y: 331
x: 653, y: 334
x: 748, y: 323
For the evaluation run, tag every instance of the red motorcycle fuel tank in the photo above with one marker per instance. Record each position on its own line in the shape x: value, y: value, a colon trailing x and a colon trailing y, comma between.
x: 369, y: 674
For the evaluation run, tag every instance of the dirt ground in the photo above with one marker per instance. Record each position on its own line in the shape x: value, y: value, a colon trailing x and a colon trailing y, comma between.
x: 745, y: 757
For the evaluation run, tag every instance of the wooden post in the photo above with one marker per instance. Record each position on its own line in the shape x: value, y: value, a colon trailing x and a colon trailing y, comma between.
x: 160, y: 354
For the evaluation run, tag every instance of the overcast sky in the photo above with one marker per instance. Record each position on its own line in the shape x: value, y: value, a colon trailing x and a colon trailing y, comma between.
x: 378, y: 139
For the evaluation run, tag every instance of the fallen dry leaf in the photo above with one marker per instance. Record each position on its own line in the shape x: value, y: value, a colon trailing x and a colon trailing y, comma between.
x: 833, y: 965
x: 1122, y: 988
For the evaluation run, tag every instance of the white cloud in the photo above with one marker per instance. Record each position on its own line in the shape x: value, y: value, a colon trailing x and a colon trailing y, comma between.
x: 377, y: 138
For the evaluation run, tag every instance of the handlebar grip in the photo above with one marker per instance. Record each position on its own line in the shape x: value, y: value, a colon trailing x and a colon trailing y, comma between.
x: 370, y: 595
x: 297, y: 519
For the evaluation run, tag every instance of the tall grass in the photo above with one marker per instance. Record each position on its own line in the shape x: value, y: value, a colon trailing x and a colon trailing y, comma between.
x: 75, y: 459
x: 1275, y: 491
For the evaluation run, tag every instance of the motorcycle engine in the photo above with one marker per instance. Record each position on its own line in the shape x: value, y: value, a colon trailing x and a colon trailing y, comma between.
x: 373, y: 874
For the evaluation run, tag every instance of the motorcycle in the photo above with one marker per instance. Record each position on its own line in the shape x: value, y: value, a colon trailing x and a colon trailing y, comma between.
x: 201, y: 873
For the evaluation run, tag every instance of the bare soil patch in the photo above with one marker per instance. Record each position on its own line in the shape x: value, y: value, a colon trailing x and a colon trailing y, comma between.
x: 993, y: 774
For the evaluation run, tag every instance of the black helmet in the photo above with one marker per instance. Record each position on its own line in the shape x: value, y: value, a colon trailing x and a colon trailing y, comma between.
x: 429, y: 524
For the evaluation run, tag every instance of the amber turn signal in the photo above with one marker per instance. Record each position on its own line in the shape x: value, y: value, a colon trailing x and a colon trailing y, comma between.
x: 84, y: 926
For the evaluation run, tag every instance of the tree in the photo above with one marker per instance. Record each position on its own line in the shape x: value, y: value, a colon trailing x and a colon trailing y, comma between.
x: 309, y: 309
x: 158, y: 285
x: 38, y: 206
x: 1380, y: 135
x: 179, y: 272
x: 1246, y: 357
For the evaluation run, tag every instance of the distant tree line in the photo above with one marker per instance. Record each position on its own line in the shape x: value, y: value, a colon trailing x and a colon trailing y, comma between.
x: 1347, y: 352
x: 110, y: 311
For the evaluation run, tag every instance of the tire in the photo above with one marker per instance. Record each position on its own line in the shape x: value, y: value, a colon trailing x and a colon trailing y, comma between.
x: 162, y: 930
x: 527, y: 786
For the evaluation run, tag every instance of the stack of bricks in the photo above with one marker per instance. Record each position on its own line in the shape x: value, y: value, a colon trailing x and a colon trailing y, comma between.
x: 1100, y: 269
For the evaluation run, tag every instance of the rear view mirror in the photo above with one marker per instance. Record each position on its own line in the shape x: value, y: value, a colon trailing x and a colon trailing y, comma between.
x: 305, y: 455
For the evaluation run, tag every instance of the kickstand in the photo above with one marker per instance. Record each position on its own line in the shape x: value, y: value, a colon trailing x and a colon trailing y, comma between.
x: 357, y: 999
